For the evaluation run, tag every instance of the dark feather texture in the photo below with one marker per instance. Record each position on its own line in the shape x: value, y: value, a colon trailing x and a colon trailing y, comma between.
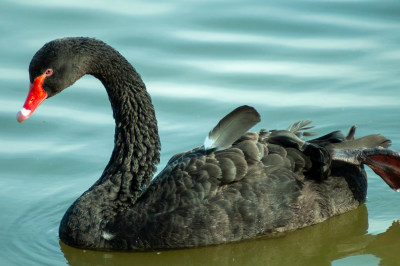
x: 243, y: 185
x: 231, y: 128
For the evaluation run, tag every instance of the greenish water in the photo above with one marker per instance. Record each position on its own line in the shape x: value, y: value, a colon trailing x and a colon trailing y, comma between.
x: 336, y: 63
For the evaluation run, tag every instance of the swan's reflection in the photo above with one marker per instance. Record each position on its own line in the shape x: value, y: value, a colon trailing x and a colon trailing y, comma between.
x: 337, y: 238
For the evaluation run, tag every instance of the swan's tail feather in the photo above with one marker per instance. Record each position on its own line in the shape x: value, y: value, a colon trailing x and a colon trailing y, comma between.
x: 384, y: 162
x: 370, y: 141
x: 231, y: 128
x: 373, y: 151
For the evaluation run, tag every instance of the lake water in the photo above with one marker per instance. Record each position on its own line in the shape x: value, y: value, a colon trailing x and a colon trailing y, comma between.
x: 336, y: 63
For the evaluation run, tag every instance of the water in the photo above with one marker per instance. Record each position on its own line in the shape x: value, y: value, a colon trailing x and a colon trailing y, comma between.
x: 336, y: 63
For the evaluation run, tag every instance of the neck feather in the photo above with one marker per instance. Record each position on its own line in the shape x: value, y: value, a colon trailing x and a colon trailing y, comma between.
x: 137, y: 144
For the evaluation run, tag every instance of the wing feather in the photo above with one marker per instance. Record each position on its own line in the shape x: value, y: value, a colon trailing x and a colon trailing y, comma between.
x: 231, y: 128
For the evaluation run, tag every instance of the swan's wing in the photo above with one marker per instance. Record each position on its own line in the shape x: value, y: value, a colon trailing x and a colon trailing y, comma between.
x: 225, y: 133
x: 231, y: 128
x: 299, y: 128
x: 237, y: 190
x: 196, y: 177
x: 251, y: 188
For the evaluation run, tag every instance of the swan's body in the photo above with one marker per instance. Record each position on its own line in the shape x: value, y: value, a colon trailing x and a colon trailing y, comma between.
x: 266, y: 182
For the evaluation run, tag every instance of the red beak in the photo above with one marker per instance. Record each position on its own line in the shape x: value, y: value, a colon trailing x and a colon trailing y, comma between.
x: 36, y: 96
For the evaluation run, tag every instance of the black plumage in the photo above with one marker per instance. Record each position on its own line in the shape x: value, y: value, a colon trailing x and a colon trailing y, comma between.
x: 258, y: 183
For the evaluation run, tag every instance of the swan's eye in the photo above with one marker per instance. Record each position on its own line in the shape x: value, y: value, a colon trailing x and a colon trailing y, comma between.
x: 49, y: 72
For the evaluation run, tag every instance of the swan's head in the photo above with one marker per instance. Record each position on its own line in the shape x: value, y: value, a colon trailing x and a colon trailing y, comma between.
x: 56, y: 66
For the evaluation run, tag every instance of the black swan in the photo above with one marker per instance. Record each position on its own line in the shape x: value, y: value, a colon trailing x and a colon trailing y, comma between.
x: 238, y: 185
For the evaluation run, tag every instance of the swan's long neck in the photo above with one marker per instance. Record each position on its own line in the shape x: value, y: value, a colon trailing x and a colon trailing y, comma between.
x: 137, y: 144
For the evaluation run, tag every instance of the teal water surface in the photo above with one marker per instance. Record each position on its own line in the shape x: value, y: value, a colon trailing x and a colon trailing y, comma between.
x: 334, y: 62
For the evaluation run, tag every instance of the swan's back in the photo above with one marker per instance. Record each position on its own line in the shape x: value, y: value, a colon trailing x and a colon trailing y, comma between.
x: 251, y: 189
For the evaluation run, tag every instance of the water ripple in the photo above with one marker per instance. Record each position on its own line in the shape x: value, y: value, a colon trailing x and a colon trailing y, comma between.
x: 33, y: 233
x: 277, y: 98
x: 314, y: 43
x: 140, y: 8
